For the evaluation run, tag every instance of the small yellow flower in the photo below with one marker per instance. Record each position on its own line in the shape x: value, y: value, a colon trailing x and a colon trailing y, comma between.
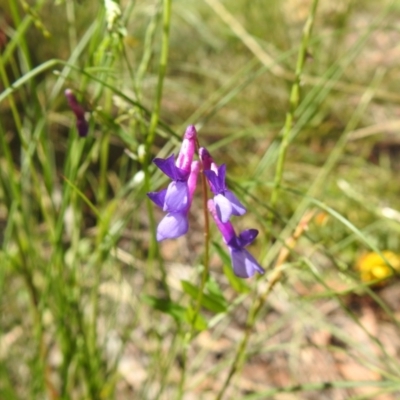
x: 372, y: 266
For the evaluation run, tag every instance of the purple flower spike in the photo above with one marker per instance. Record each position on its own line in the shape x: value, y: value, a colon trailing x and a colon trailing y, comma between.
x: 81, y: 124
x: 177, y: 198
x: 176, y: 224
x: 243, y: 263
x: 226, y: 202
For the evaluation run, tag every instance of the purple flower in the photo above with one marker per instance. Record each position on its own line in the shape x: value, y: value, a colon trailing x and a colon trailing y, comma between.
x: 175, y: 223
x: 226, y: 202
x: 177, y: 198
x: 244, y: 264
x: 81, y: 124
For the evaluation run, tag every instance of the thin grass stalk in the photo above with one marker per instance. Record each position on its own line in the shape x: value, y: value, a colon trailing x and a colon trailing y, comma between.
x: 23, y: 267
x: 294, y: 102
x: 155, y: 117
x: 162, y: 69
x: 168, y: 362
x: 71, y: 21
x: 21, y: 209
x: 387, y: 386
x: 145, y: 62
x: 322, y: 87
x: 330, y: 163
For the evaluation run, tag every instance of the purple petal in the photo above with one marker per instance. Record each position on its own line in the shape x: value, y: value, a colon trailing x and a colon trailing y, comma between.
x: 217, y: 180
x: 244, y: 264
x: 169, y: 168
x: 158, y: 197
x: 177, y: 197
x: 237, y: 207
x: 223, y: 207
x: 221, y: 176
x: 247, y: 236
x: 172, y: 226
x: 226, y: 229
x: 212, y: 180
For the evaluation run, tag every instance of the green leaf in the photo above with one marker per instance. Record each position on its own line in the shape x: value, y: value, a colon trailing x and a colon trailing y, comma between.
x: 238, y: 284
x: 200, y: 323
x: 210, y: 302
x: 166, y: 306
x: 214, y: 291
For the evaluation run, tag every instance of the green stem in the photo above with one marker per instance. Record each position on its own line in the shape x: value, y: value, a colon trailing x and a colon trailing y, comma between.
x: 294, y: 102
x: 155, y: 116
x: 162, y: 69
x: 204, y: 277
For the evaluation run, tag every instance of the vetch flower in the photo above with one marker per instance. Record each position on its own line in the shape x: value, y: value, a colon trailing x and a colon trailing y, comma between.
x: 243, y: 263
x: 81, y: 124
x: 226, y: 202
x: 176, y: 223
x: 177, y: 198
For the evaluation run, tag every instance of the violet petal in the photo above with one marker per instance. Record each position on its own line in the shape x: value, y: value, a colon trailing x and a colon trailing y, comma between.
x: 158, y: 197
x: 212, y: 179
x: 224, y: 207
x: 226, y: 229
x: 237, y: 207
x: 247, y: 236
x: 177, y: 197
x: 206, y: 158
x: 169, y: 168
x: 244, y: 264
x: 221, y: 177
x: 172, y: 226
x: 217, y: 180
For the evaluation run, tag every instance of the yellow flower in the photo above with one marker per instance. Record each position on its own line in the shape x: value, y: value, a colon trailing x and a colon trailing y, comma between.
x: 372, y: 266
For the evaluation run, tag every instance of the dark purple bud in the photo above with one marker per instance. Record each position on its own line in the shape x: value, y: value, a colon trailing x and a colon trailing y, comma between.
x: 81, y: 124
